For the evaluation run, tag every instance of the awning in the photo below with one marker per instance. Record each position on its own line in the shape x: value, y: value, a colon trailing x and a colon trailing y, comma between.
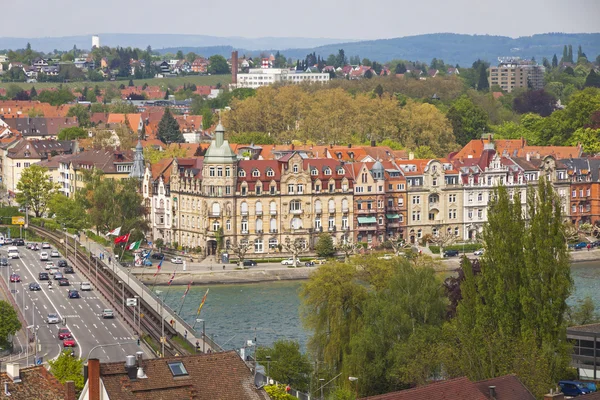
x: 392, y: 216
x: 367, y: 220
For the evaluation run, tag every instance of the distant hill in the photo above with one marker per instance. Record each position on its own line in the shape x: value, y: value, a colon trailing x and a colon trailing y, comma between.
x: 157, y: 41
x: 450, y: 47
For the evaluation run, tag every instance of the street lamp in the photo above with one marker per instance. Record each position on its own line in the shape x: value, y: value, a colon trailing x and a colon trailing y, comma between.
x: 27, y: 344
x: 355, y: 380
x: 321, y: 380
x: 123, y: 295
x: 268, y: 366
x: 162, y: 320
x: 203, y: 334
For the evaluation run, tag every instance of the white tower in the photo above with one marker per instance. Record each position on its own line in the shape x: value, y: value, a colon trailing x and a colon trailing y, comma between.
x: 95, y: 41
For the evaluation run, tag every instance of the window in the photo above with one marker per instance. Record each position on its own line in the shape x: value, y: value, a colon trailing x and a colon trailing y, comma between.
x: 273, y: 243
x: 258, y: 208
x: 331, y: 206
x: 587, y: 193
x: 314, y: 172
x: 273, y: 225
x: 344, y: 205
x: 216, y: 226
x: 452, y: 198
x: 327, y: 171
x: 331, y: 187
x: 216, y: 210
x: 300, y: 189
x: 270, y: 172
x: 220, y: 171
x: 258, y: 189
x: 18, y: 165
x: 581, y: 208
x: 345, y: 222
x: 574, y: 193
x: 295, y: 205
x: 416, y: 199
x: 574, y: 208
x: 580, y: 192
x: 452, y: 214
x: 400, y: 186
x: 480, y: 213
x: 318, y: 223
x: 456, y: 231
x: 242, y: 173
x: 359, y: 189
x: 177, y: 368
x: 244, y: 190
x: 470, y: 214
x: 431, y: 216
x: 291, y: 188
x: 26, y: 165
x: 259, y: 225
x: 380, y: 221
x: 416, y: 215
x: 296, y: 168
x: 369, y: 189
x: 255, y: 173
x: 273, y: 208
x: 244, y: 225
x: 317, y: 188
x: 479, y: 196
x: 244, y: 208
x: 211, y: 171
x: 419, y: 233
x: 318, y: 208
x: 434, y: 182
x: 258, y: 246
x: 227, y: 172
x: 228, y: 224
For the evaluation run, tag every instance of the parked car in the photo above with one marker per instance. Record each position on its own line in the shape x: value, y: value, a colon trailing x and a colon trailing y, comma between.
x: 157, y: 256
x: 63, y: 282
x: 52, y: 318
x: 15, y: 278
x: 451, y: 253
x: 69, y: 342
x: 573, y: 388
x: 58, y: 276
x: 46, y: 245
x: 108, y: 313
x: 319, y: 261
x: 290, y: 261
x: 580, y: 245
x: 73, y: 294
x: 68, y: 270
x: 43, y: 276
x: 478, y: 252
x: 64, y: 333
x: 596, y: 243
x: 249, y: 263
x: 62, y: 263
x: 43, y: 256
x: 54, y: 253
x: 177, y: 260
x: 4, y: 262
x: 85, y: 286
x: 34, y: 286
x: 19, y: 242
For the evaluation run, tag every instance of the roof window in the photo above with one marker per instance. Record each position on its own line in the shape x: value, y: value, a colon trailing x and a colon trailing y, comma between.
x: 177, y: 368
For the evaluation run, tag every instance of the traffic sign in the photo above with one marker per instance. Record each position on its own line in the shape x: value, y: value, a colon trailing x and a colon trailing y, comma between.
x: 131, y: 302
x: 18, y: 220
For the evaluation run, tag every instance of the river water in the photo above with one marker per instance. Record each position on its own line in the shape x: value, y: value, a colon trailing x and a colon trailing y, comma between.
x: 269, y: 311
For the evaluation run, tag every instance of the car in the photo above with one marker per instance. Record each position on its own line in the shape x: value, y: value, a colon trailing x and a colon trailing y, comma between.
x: 46, y: 245
x: 68, y: 270
x: 108, y: 313
x: 64, y: 333
x: 249, y: 263
x: 573, y: 388
x: 33, y: 286
x: 53, y: 270
x: 85, y: 286
x: 177, y: 260
x: 478, y: 252
x: 4, y: 261
x: 58, y: 276
x: 19, y: 242
x: 50, y: 265
x: 596, y: 243
x: 451, y: 253
x: 52, y: 318
x: 2, y: 241
x: 63, y: 282
x: 43, y: 256
x: 157, y: 256
x: 580, y: 245
x: 73, y: 294
x: 69, y: 342
x: 36, y: 247
x: 61, y: 263
x: 43, y: 276
x: 386, y: 257
x: 15, y: 278
x: 28, y: 246
x: 147, y: 263
x: 290, y: 261
x: 318, y: 261
x: 54, y: 253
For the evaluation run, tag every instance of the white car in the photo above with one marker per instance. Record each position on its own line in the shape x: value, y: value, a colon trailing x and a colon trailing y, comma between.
x: 52, y: 318
x: 46, y: 245
x: 50, y: 265
x: 108, y: 313
x: 54, y: 253
x: 43, y: 256
x: 85, y: 286
x: 53, y: 270
x: 479, y: 252
x: 177, y: 260
x: 290, y: 261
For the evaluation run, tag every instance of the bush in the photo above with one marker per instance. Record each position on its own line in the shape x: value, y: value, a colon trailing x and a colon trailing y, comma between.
x: 468, y: 248
x: 6, y: 212
x: 97, y: 238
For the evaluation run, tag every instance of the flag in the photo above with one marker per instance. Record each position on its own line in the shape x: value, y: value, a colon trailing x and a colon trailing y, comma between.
x: 186, y: 290
x: 202, y: 302
x: 172, y: 278
x: 134, y: 245
x: 114, y: 232
x: 158, y: 267
x: 122, y: 239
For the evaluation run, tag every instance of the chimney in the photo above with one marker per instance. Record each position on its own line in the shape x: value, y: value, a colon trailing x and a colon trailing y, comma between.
x: 554, y: 396
x: 528, y: 156
x: 349, y: 145
x: 234, y: 66
x: 373, y: 143
x: 6, y: 392
x: 13, y: 370
x: 131, y: 367
x: 140, y: 370
x: 411, y: 155
x: 70, y: 390
x: 492, y: 392
x: 93, y: 379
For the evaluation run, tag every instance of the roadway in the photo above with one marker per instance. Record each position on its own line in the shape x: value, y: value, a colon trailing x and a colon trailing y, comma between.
x: 82, y: 316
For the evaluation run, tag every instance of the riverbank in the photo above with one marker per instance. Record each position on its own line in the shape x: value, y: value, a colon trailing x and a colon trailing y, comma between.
x: 262, y: 273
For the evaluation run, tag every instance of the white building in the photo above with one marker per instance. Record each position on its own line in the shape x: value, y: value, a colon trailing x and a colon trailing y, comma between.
x: 95, y: 41
x: 258, y: 77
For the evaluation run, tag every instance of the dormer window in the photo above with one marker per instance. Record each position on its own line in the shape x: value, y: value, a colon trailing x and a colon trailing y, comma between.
x: 270, y: 172
x: 296, y: 168
x: 327, y: 171
x: 255, y: 173
x: 314, y: 172
x: 242, y: 173
x: 340, y: 171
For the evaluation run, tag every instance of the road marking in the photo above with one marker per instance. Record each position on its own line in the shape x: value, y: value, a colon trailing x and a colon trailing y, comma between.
x: 95, y: 327
x: 114, y: 326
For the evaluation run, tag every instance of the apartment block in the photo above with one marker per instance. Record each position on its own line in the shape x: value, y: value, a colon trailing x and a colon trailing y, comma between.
x: 512, y: 73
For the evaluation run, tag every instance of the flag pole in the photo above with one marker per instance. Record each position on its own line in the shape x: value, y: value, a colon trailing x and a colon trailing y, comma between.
x: 125, y: 247
x: 169, y: 288
x: 183, y: 299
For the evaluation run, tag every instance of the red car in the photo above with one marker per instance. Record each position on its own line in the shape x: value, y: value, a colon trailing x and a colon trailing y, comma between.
x: 64, y: 333
x: 70, y: 342
x: 15, y: 278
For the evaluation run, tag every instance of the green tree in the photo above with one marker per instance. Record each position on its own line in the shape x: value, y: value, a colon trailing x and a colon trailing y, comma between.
x: 68, y: 212
x: 218, y: 65
x: 482, y: 82
x: 207, y: 118
x: 72, y: 133
x: 33, y: 93
x: 554, y: 61
x: 565, y: 57
x: 277, y: 392
x: 583, y: 313
x: 56, y: 97
x: 179, y: 55
x: 469, y: 121
x: 570, y: 54
x: 593, y: 79
x: 324, y: 246
x: 9, y: 323
x: 35, y: 189
x: 168, y: 129
x: 251, y: 137
x: 82, y: 113
x: 68, y: 368
x: 589, y: 138
x: 287, y: 363
x: 131, y: 84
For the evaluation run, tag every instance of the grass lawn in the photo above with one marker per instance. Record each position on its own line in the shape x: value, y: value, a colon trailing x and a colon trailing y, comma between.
x: 204, y: 80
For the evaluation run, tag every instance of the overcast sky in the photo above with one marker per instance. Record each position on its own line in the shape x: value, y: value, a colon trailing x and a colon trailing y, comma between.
x: 349, y: 19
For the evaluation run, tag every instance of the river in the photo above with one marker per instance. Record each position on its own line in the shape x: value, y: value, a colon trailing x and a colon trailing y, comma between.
x: 270, y: 311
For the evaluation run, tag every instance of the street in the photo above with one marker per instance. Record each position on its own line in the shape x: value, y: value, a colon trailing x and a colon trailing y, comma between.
x: 82, y: 316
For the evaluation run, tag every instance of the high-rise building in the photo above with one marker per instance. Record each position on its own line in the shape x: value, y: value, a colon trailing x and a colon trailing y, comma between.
x: 512, y: 72
x: 95, y: 41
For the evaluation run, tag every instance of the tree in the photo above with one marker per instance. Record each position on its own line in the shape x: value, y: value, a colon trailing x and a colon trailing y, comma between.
x: 589, y: 138
x: 324, y: 246
x: 583, y: 313
x: 240, y: 249
x: 68, y: 212
x: 287, y: 363
x: 9, y: 323
x: 82, y: 113
x: 443, y: 239
x: 535, y: 101
x: 348, y: 248
x: 295, y: 247
x: 554, y: 61
x: 159, y: 243
x: 565, y: 57
x: 207, y: 119
x: 218, y: 65
x: 168, y: 129
x: 35, y: 189
x: 570, y: 54
x: 378, y: 90
x: 131, y: 84
x: 68, y: 368
x: 179, y: 55
x: 593, y: 79
x: 56, y: 97
x: 341, y: 59
x: 482, y: 83
x: 469, y: 121
x: 400, y: 68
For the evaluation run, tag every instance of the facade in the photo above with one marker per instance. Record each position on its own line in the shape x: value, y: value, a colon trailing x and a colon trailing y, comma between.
x: 257, y: 77
x: 514, y: 73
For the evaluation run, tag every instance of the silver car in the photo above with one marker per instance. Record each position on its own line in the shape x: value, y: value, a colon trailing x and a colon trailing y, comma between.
x: 108, y: 313
x: 53, y: 318
x: 85, y: 286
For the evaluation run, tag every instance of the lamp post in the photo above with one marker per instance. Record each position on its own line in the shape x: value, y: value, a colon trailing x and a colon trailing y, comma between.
x: 27, y: 344
x: 139, y: 325
x: 321, y: 380
x: 203, y: 334
x: 122, y: 295
x: 268, y: 367
x: 355, y: 380
x: 162, y: 323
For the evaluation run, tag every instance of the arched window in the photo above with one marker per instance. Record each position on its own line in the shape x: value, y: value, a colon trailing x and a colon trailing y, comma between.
x: 270, y: 172
x: 255, y: 173
x: 259, y: 225
x: 273, y: 225
x: 434, y: 198
x: 244, y: 208
x: 296, y: 168
x: 327, y: 171
x: 215, y: 226
x: 273, y: 208
x: 295, y: 206
x: 241, y: 173
x: 296, y: 223
x: 216, y: 210
x: 259, y: 209
x: 344, y: 205
x: 318, y: 208
x: 331, y: 206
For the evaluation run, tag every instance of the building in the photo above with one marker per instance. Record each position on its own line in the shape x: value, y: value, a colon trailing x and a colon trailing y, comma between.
x: 34, y: 383
x: 95, y: 42
x: 512, y: 72
x: 257, y: 77
x: 41, y: 127
x: 212, y: 376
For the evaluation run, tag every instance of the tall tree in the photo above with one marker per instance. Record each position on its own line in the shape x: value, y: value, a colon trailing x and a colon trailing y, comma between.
x: 9, y: 323
x: 483, y: 83
x: 286, y: 363
x: 68, y: 368
x: 324, y: 246
x: 570, y: 54
x: 593, y: 79
x: 565, y: 57
x: 554, y: 61
x: 35, y: 189
x: 33, y: 93
x: 535, y: 101
x: 218, y: 65
x: 168, y: 129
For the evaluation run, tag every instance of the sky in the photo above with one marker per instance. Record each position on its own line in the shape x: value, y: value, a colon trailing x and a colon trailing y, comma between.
x: 349, y: 19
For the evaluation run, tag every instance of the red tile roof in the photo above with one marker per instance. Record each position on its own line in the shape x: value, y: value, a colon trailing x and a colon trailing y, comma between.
x: 507, y: 387
x: 36, y: 383
x: 453, y: 389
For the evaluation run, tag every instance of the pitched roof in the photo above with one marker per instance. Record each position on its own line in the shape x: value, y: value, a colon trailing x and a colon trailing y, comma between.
x: 40, y: 148
x: 41, y: 126
x: 36, y: 383
x: 507, y: 387
x: 213, y: 376
x: 453, y: 389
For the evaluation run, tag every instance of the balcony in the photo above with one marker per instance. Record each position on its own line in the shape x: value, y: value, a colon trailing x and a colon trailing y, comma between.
x: 366, y: 211
x: 214, y: 214
x: 332, y: 211
x: 319, y: 229
x: 273, y: 231
x: 244, y: 232
x: 259, y: 212
x: 395, y: 224
x: 434, y: 206
x: 318, y: 211
x: 344, y: 209
x: 371, y: 227
x: 259, y: 232
x: 244, y: 212
x: 296, y: 212
x: 273, y: 212
x: 332, y: 228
